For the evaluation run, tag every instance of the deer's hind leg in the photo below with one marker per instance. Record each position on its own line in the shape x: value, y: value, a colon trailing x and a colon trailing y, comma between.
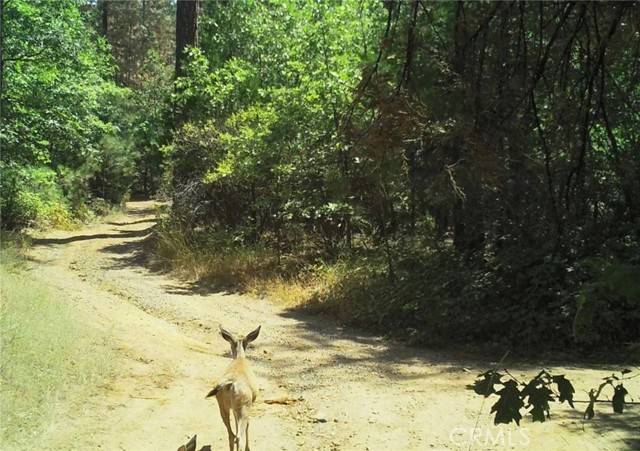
x: 242, y: 429
x: 223, y: 405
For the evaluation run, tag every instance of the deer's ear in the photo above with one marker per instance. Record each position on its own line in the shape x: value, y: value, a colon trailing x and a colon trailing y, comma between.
x: 252, y: 336
x: 227, y: 335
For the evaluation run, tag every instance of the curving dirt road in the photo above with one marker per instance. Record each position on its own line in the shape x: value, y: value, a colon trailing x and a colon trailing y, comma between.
x: 346, y: 391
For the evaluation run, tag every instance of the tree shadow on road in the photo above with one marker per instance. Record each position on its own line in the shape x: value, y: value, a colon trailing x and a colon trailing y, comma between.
x: 141, y: 221
x: 96, y: 236
x: 624, y: 427
x: 318, y: 330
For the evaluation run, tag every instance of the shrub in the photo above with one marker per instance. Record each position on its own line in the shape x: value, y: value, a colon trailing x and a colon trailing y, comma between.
x: 608, y: 306
x: 31, y: 196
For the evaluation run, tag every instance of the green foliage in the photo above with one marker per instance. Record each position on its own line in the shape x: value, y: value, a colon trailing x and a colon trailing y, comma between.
x: 608, y: 306
x: 54, y: 75
x: 140, y: 33
x: 271, y: 135
x: 150, y: 126
x: 114, y: 170
x: 66, y: 127
x: 31, y: 196
x: 450, y: 168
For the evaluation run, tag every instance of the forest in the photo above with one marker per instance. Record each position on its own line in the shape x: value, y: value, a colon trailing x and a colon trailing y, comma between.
x: 398, y: 203
x: 438, y: 172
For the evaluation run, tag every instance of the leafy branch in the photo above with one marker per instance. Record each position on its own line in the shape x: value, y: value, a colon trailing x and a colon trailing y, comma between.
x: 536, y: 394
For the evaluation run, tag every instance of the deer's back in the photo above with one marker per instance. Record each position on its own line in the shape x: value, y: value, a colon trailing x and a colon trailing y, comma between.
x: 242, y: 386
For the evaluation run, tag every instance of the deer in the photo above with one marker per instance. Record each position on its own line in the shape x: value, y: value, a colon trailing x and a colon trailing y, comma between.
x: 236, y: 390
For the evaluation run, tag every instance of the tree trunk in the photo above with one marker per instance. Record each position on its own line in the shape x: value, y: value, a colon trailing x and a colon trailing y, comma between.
x: 1, y: 57
x: 186, y: 30
x: 104, y: 15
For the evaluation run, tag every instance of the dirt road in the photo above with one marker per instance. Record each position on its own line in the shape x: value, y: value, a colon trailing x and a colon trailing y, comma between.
x: 354, y: 391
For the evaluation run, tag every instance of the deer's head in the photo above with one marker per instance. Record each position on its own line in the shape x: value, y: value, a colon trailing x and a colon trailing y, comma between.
x: 239, y: 344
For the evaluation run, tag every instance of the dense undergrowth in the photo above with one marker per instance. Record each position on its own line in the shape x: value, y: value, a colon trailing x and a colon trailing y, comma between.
x: 50, y: 360
x: 429, y: 295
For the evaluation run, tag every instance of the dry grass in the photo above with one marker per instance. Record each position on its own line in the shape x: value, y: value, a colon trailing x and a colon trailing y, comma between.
x: 287, y: 280
x: 50, y: 360
x: 234, y: 268
x: 288, y: 292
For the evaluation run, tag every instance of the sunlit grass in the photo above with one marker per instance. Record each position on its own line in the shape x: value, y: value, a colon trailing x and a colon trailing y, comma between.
x: 49, y: 359
x: 341, y: 287
x: 287, y: 280
x: 237, y: 268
